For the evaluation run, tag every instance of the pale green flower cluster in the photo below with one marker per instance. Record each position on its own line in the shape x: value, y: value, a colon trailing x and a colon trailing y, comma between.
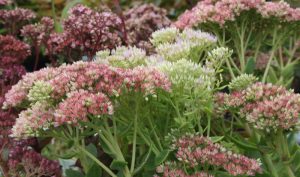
x: 174, y: 51
x: 40, y: 92
x: 165, y: 35
x: 173, y: 45
x: 124, y: 57
x: 186, y: 75
x: 241, y: 82
x: 218, y: 55
x: 197, y: 37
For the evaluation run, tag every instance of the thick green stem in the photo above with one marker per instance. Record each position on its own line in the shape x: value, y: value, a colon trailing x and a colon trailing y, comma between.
x: 134, y: 140
x: 289, y: 171
x: 285, y: 154
x: 270, y: 165
x: 112, y: 143
x: 268, y: 66
x: 104, y: 167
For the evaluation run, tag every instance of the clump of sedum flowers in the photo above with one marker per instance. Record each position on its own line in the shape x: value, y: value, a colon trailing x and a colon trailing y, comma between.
x: 265, y: 106
x: 251, y: 28
x: 51, y: 92
x: 196, y: 152
x: 124, y: 105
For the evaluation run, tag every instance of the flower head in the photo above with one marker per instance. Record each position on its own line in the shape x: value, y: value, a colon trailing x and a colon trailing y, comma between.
x: 228, y: 10
x: 165, y: 35
x: 98, y: 31
x: 265, y: 106
x: 12, y: 50
x: 241, y: 82
x: 124, y: 57
x: 79, y: 105
x: 196, y: 150
x: 141, y: 21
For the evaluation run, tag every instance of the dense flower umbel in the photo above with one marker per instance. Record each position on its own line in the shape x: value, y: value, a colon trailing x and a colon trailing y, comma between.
x: 173, y: 46
x: 38, y: 33
x: 172, y: 169
x: 265, y: 106
x: 80, y: 104
x: 14, y: 19
x: 227, y: 10
x: 141, y: 21
x: 65, y: 85
x: 90, y: 31
x: 195, y: 150
x: 12, y: 51
x: 23, y: 158
x: 241, y: 82
x: 124, y: 57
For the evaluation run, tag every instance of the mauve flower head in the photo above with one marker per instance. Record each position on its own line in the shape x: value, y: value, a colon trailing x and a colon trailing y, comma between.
x: 196, y: 150
x: 12, y: 50
x: 266, y: 107
x: 91, y: 31
x: 10, y: 75
x: 14, y: 19
x: 38, y: 33
x: 25, y: 159
x: 4, y: 2
x: 141, y: 21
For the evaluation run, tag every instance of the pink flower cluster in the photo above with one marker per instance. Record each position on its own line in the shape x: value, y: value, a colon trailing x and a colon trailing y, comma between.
x: 171, y: 169
x: 90, y: 31
x: 85, y: 86
x: 12, y: 51
x: 13, y: 19
x: 80, y: 104
x: 32, y: 119
x: 195, y: 149
x: 227, y: 10
x: 4, y: 2
x: 265, y: 106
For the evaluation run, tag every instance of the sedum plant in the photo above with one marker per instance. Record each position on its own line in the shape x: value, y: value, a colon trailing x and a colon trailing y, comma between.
x: 252, y: 28
x: 121, y: 100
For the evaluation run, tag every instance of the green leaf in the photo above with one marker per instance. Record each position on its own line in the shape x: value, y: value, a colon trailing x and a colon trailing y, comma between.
x: 250, y: 66
x: 94, y: 171
x: 215, y: 139
x: 144, y: 161
x: 288, y: 71
x: 118, y: 164
x: 243, y: 144
x: 86, y: 161
x: 161, y: 157
x: 91, y: 148
x: 272, y: 77
x: 73, y: 173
